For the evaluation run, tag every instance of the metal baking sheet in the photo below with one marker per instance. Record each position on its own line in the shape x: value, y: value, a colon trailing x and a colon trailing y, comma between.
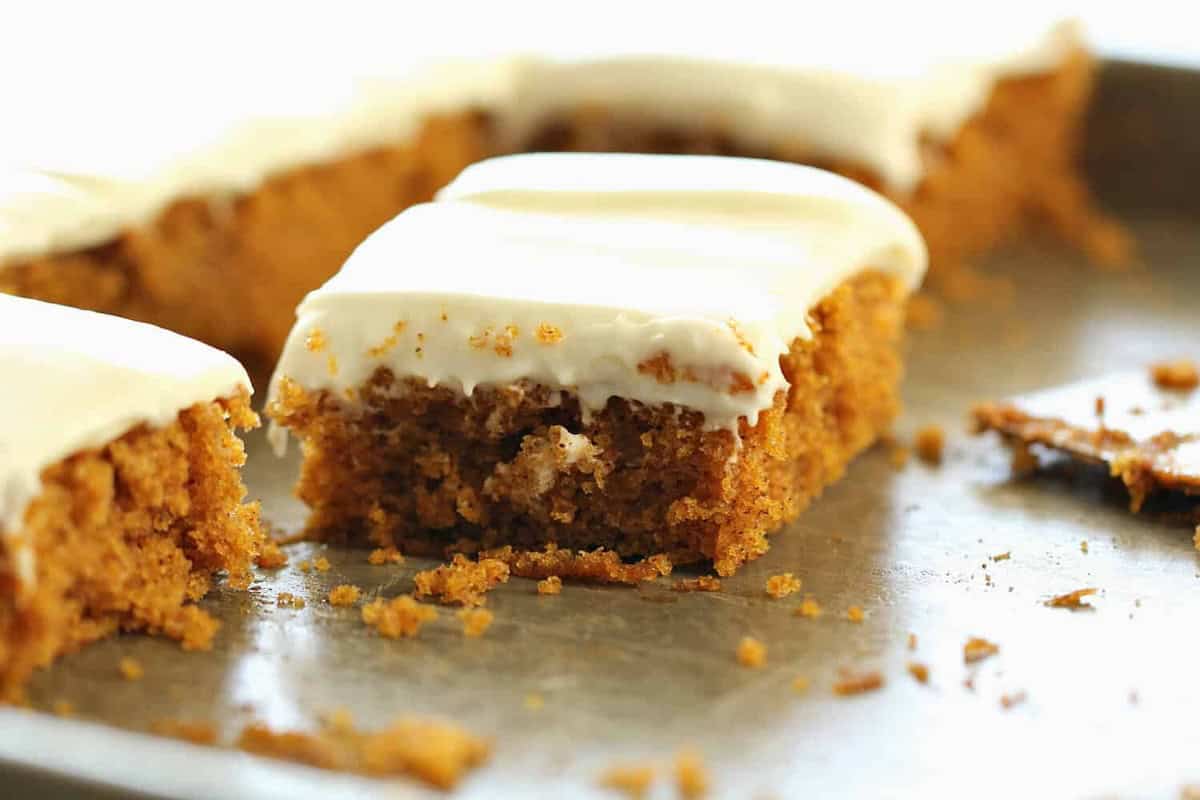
x: 1111, y: 696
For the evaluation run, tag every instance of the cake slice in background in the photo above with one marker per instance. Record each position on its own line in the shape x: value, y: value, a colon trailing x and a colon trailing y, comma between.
x: 209, y: 197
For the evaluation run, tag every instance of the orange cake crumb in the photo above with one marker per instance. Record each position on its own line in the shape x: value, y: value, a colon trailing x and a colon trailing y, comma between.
x: 289, y: 600
x: 271, y: 556
x: 919, y: 671
x: 704, y: 583
x: 462, y: 581
x: 344, y: 594
x: 438, y: 753
x: 855, y: 614
x: 691, y: 776
x: 63, y: 708
x: 597, y: 566
x: 1181, y: 375
x: 305, y: 566
x: 912, y: 641
x: 475, y: 621
x: 809, y: 608
x: 800, y: 684
x: 751, y: 652
x: 898, y: 456
x: 385, y: 555
x: 1083, y: 546
x: 204, y: 733
x: 782, y: 585
x: 851, y: 683
x: 1072, y: 600
x: 977, y: 649
x: 631, y: 779
x: 1005, y: 556
x: 194, y: 628
x: 1012, y: 699
x: 321, y: 564
x: 130, y: 669
x: 930, y: 443
x: 550, y: 585
x: 401, y: 617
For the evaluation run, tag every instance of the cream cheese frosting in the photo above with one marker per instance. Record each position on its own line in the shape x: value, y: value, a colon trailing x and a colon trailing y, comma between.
x: 840, y: 88
x: 581, y: 272
x: 75, y: 380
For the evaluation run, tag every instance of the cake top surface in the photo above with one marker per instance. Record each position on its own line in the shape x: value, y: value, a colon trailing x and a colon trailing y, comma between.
x: 833, y: 89
x: 75, y: 380
x: 663, y: 279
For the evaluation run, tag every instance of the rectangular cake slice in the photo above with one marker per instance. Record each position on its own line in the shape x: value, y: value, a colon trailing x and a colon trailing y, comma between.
x: 651, y: 354
x: 120, y: 497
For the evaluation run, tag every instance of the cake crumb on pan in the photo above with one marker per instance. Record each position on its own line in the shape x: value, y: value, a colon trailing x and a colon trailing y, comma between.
x: 344, y: 594
x: 930, y: 443
x: 475, y: 621
x: 1072, y: 600
x: 385, y: 555
x: 462, y: 581
x: 1181, y: 375
x: 751, y: 653
x: 550, y: 585
x: 851, y: 682
x: 632, y: 780
x: 782, y: 585
x: 977, y: 649
x: 131, y: 669
x: 195, y: 732
x: 691, y: 775
x: 809, y: 608
x: 397, y: 618
x: 436, y: 752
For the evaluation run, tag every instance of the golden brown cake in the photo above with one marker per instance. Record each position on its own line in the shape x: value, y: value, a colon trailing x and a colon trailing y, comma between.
x: 647, y: 354
x: 120, y: 498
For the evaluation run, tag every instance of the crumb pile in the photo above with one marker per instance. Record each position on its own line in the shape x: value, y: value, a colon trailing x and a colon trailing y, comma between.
x: 782, y: 585
x: 400, y: 617
x: 462, y: 582
x: 344, y: 594
x: 436, y: 752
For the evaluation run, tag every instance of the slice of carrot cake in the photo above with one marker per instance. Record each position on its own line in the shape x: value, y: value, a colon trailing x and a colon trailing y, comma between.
x: 120, y: 497
x: 653, y: 354
x: 211, y: 206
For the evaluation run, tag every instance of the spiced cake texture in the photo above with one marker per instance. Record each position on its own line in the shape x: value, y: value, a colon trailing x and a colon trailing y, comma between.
x: 127, y: 537
x: 406, y: 460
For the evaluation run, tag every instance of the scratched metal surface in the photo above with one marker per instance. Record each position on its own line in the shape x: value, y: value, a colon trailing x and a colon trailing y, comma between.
x: 1111, y: 695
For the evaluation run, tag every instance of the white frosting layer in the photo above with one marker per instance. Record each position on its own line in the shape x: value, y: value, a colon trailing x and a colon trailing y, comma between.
x: 617, y: 260
x: 90, y: 153
x: 75, y: 380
